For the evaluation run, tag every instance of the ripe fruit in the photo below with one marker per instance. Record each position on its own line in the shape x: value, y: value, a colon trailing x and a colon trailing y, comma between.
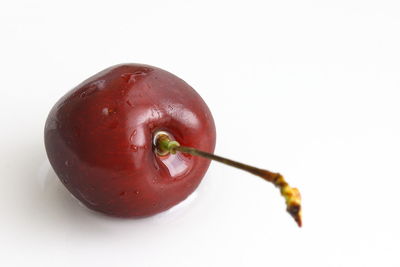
x: 122, y: 142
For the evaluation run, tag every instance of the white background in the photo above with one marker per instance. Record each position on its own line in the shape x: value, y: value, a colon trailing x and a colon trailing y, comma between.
x: 306, y: 88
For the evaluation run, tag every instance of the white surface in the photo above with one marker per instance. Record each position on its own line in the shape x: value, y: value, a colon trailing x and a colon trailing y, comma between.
x: 307, y: 88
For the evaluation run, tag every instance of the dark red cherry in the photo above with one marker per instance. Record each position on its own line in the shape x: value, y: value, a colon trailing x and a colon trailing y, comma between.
x: 134, y: 140
x: 99, y: 140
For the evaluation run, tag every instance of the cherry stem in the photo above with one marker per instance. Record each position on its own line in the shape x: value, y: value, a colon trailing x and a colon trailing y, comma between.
x: 164, y: 145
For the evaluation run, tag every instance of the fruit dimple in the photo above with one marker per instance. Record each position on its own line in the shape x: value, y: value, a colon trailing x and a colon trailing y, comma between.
x: 177, y: 164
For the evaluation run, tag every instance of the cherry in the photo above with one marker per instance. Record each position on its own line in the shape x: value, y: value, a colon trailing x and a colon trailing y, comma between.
x: 122, y: 142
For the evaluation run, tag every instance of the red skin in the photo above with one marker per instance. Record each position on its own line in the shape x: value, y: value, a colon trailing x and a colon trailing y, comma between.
x: 99, y: 140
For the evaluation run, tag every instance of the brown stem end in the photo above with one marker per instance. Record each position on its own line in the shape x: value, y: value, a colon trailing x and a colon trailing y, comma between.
x: 292, y: 198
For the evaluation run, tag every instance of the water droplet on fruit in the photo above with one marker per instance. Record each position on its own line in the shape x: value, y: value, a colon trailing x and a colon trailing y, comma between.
x: 66, y: 163
x: 133, y: 136
x: 139, y: 72
x: 100, y: 84
x: 129, y: 103
x: 108, y: 111
x: 92, y: 88
x: 134, y: 148
x: 136, y: 192
x: 133, y: 77
x: 126, y: 76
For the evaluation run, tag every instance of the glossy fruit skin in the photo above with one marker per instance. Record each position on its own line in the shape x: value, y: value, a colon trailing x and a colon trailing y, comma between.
x: 99, y: 140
